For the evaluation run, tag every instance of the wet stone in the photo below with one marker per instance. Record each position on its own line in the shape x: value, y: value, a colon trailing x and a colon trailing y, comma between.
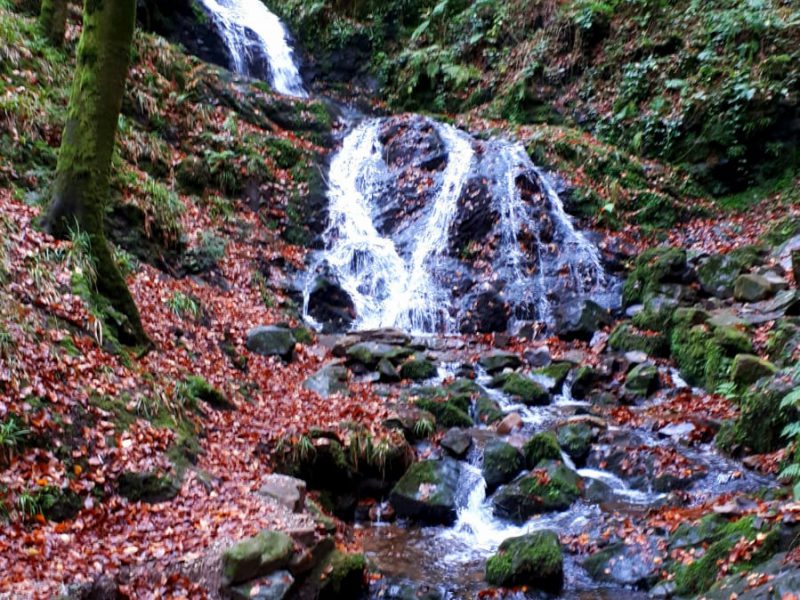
x: 456, y: 442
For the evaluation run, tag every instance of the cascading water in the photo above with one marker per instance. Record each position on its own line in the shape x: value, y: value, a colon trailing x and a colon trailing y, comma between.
x: 409, y: 273
x: 252, y: 33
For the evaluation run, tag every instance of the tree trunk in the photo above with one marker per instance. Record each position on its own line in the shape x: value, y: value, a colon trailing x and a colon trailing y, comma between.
x: 84, y: 161
x: 53, y: 20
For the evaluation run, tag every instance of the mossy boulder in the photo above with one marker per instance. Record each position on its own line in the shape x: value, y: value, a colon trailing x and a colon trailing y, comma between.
x: 717, y: 273
x: 501, y: 463
x: 636, y: 565
x: 497, y: 361
x: 199, y: 389
x: 699, y: 576
x: 343, y: 576
x: 752, y: 288
x: 576, y: 440
x: 148, y: 487
x: 370, y: 353
x: 256, y: 556
x: 533, y: 560
x: 329, y: 380
x: 449, y: 412
x: 656, y: 315
x: 552, y: 377
x: 418, y: 369
x: 627, y: 338
x: 550, y: 487
x: 748, y: 368
x: 704, y: 353
x: 582, y: 321
x: 585, y: 379
x: 542, y: 446
x: 655, y: 266
x: 427, y: 492
x: 488, y: 411
x: 784, y: 341
x: 272, y: 340
x: 523, y: 389
x: 761, y: 419
x: 642, y: 380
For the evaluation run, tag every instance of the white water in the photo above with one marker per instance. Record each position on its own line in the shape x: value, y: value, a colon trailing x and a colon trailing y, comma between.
x: 389, y: 289
x: 393, y: 288
x: 250, y: 29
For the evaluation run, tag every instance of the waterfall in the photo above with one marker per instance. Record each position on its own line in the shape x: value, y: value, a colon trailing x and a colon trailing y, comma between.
x: 252, y: 33
x: 413, y: 277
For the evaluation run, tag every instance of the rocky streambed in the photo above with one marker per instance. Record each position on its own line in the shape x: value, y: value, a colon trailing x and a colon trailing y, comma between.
x: 600, y: 456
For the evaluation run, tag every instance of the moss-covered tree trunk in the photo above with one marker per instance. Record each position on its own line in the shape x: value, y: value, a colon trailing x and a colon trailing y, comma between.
x: 53, y: 20
x: 87, y: 145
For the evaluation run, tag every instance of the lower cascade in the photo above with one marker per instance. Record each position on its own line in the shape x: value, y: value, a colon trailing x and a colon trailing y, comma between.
x: 434, y: 231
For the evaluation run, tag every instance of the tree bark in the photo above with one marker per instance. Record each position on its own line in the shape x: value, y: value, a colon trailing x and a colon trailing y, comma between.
x: 84, y: 161
x: 53, y: 20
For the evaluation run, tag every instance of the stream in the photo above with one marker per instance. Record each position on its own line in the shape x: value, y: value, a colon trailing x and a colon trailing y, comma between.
x: 431, y: 229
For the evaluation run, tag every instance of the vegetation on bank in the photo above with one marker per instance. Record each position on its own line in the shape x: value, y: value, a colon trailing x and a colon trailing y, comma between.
x: 708, y: 85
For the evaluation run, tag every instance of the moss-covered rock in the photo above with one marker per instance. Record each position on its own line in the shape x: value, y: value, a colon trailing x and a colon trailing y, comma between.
x: 254, y: 557
x: 655, y: 266
x: 272, y: 341
x: 501, y: 463
x: 343, y: 576
x: 747, y: 369
x: 418, y: 370
x: 585, y: 379
x: 642, y: 380
x: 784, y: 341
x: 697, y: 577
x: 534, y: 560
x: 762, y: 419
x: 496, y: 361
x: 147, y: 487
x: 656, y: 315
x: 488, y: 411
x: 370, y: 354
x: 448, y: 412
x: 627, y: 338
x: 636, y: 565
x: 542, y: 446
x: 427, y: 492
x: 198, y: 388
x: 576, y: 440
x: 551, y: 486
x: 554, y: 375
x: 523, y: 389
x: 751, y: 287
x: 717, y: 273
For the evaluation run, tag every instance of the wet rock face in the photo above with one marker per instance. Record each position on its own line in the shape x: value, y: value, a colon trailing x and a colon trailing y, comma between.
x: 415, y: 155
x: 330, y: 305
x: 474, y: 224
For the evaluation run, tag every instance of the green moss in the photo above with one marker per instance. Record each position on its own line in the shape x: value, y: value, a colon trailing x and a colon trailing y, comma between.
x: 535, y: 559
x: 761, y: 419
x: 447, y: 414
x: 418, y: 370
x: 655, y: 266
x: 487, y: 411
x: 147, y: 487
x: 525, y: 390
x: 699, y: 576
x: 557, y: 371
x: 783, y: 341
x: 626, y: 338
x: 542, y: 446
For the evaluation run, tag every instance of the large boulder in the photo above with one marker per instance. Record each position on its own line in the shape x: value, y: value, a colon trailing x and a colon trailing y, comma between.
x: 717, y: 273
x: 329, y: 380
x: 636, y: 565
x: 256, y: 556
x: 274, y: 586
x: 522, y: 389
x: 580, y: 321
x: 427, y: 492
x: 330, y: 305
x: 534, y: 560
x: 576, y: 440
x: 550, y: 487
x: 272, y: 340
x: 748, y: 368
x: 498, y: 360
x: 370, y: 354
x: 752, y: 288
x: 642, y: 380
x: 542, y: 446
x: 501, y: 463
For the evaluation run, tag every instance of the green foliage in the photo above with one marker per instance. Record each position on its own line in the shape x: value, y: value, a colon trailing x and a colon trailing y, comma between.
x: 791, y: 432
x: 183, y: 305
x: 13, y: 435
